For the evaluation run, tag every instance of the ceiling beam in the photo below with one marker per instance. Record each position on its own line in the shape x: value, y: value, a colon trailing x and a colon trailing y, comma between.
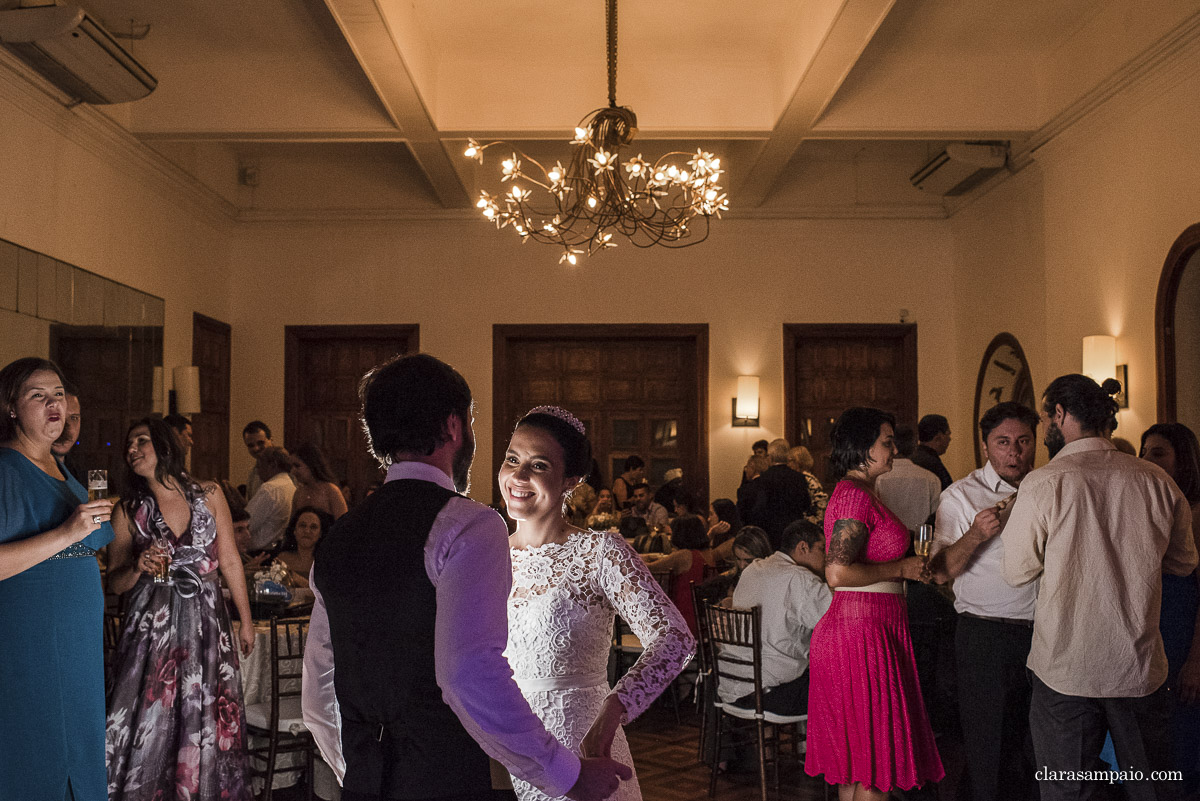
x: 366, y: 31
x: 848, y: 35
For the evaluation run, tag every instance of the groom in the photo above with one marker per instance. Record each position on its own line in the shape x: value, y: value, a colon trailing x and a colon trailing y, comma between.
x: 411, y: 590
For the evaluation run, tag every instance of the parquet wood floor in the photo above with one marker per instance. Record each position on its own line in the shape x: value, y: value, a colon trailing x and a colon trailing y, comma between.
x: 664, y: 754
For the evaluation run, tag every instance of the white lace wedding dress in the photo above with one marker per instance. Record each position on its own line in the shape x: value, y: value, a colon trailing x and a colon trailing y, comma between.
x: 560, y: 626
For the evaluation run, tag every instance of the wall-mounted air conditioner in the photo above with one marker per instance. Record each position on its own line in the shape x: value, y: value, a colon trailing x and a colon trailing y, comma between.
x: 72, y: 51
x: 960, y: 168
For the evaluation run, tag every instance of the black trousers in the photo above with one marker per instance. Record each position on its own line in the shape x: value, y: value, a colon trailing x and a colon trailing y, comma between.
x: 1068, y: 734
x: 993, y: 707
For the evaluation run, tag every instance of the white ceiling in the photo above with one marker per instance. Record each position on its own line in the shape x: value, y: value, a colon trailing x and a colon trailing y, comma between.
x: 346, y: 105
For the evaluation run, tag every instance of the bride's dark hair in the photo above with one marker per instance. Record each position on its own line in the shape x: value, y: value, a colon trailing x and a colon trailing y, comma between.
x: 577, y: 450
x: 169, y: 456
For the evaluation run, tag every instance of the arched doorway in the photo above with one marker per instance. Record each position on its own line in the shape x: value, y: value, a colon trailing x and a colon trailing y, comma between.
x: 1177, y: 332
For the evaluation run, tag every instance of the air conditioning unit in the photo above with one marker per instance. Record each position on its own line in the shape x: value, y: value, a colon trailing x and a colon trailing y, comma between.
x: 960, y: 168
x: 72, y: 51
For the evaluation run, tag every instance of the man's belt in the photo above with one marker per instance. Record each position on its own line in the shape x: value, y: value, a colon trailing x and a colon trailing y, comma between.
x: 1014, y: 621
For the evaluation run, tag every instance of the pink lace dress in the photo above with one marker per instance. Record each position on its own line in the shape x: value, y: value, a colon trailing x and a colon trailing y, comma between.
x: 560, y: 627
x: 866, y: 718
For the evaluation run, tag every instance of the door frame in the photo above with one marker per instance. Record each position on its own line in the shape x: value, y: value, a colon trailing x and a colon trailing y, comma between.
x: 504, y: 334
x: 294, y: 337
x: 1178, y: 256
x: 795, y: 332
x: 204, y: 321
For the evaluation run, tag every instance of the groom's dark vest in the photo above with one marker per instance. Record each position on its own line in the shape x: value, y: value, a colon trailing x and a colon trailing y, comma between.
x: 399, y: 738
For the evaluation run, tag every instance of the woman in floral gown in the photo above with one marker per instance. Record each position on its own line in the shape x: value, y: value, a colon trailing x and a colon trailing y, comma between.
x: 568, y: 584
x: 176, y: 727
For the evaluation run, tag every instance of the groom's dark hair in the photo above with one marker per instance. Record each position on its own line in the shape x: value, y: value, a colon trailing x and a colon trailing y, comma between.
x: 405, y: 403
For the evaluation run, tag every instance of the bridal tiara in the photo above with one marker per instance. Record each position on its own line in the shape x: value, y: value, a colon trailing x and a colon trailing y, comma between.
x: 561, y: 414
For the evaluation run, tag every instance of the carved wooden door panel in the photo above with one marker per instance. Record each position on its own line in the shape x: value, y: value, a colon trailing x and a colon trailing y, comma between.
x: 828, y: 368
x: 324, y: 364
x: 639, y: 389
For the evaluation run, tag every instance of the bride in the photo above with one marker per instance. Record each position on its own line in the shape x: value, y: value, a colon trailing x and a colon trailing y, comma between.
x: 568, y: 584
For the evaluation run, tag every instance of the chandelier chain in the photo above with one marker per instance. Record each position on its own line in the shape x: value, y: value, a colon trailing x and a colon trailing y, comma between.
x: 611, y: 29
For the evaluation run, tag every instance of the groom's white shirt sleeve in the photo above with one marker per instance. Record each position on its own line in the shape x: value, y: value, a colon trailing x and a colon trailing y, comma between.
x: 318, y: 700
x: 467, y: 560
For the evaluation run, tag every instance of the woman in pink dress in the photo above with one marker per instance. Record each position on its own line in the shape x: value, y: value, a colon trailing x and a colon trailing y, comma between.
x: 867, y: 728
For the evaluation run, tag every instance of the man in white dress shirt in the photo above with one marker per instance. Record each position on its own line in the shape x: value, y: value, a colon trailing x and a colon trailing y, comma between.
x: 789, y: 589
x: 271, y: 507
x: 910, y: 491
x: 405, y: 682
x: 995, y: 620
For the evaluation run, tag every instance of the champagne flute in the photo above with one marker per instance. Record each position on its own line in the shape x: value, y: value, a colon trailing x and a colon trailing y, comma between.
x: 97, y: 485
x: 923, y: 541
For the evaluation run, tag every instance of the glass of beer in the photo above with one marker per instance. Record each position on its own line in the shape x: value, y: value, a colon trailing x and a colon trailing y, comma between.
x: 97, y: 485
x: 162, y: 573
x: 923, y: 541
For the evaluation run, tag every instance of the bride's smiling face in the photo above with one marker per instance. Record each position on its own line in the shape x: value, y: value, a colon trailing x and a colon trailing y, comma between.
x: 532, y: 478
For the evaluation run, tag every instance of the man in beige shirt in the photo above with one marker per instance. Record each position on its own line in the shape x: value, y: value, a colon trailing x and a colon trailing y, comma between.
x: 1099, y: 527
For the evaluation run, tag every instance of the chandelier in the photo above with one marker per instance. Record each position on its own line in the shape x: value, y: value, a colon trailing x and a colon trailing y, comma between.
x: 581, y: 206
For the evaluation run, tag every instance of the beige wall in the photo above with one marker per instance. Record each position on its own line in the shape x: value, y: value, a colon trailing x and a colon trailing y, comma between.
x: 1074, y: 245
x: 75, y: 190
x: 456, y: 279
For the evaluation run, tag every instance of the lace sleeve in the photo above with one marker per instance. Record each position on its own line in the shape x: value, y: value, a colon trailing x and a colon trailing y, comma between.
x: 667, y: 644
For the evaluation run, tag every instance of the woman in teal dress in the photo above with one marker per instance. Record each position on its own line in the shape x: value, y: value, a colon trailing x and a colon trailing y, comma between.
x: 51, y: 603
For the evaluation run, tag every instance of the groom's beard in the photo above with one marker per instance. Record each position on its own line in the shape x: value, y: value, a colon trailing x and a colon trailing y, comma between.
x: 461, y: 468
x: 1055, y: 441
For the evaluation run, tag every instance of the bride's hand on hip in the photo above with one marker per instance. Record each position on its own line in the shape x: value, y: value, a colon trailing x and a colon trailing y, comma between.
x: 599, y: 738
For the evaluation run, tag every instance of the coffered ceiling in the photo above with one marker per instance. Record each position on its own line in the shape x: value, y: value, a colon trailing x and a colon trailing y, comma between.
x: 817, y: 107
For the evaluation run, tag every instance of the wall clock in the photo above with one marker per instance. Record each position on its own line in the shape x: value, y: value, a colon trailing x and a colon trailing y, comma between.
x: 1003, y: 376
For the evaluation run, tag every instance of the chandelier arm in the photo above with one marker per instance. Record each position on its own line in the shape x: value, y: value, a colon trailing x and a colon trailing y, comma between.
x: 611, y: 31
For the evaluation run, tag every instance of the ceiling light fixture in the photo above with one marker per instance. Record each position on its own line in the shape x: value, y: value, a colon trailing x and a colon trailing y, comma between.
x: 581, y: 206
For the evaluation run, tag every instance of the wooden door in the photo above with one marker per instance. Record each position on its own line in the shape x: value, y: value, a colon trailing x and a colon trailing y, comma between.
x: 829, y: 368
x: 639, y: 389
x: 113, y: 367
x: 324, y: 364
x: 211, y: 345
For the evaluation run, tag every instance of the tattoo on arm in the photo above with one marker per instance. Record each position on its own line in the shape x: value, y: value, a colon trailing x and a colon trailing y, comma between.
x: 847, y: 539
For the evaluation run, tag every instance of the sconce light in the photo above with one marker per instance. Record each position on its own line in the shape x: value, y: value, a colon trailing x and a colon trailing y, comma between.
x: 187, y: 390
x: 745, y: 405
x: 184, y: 398
x: 1100, y: 362
x: 1100, y: 358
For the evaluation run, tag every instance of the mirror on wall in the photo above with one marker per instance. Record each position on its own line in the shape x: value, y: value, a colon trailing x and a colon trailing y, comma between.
x: 107, y: 338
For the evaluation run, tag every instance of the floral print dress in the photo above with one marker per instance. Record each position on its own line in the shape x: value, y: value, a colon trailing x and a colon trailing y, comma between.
x: 176, y: 726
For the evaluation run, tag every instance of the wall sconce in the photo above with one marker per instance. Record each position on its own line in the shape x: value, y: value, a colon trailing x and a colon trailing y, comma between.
x: 1100, y: 362
x: 184, y: 398
x: 745, y: 405
x: 1100, y: 358
x: 187, y: 390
